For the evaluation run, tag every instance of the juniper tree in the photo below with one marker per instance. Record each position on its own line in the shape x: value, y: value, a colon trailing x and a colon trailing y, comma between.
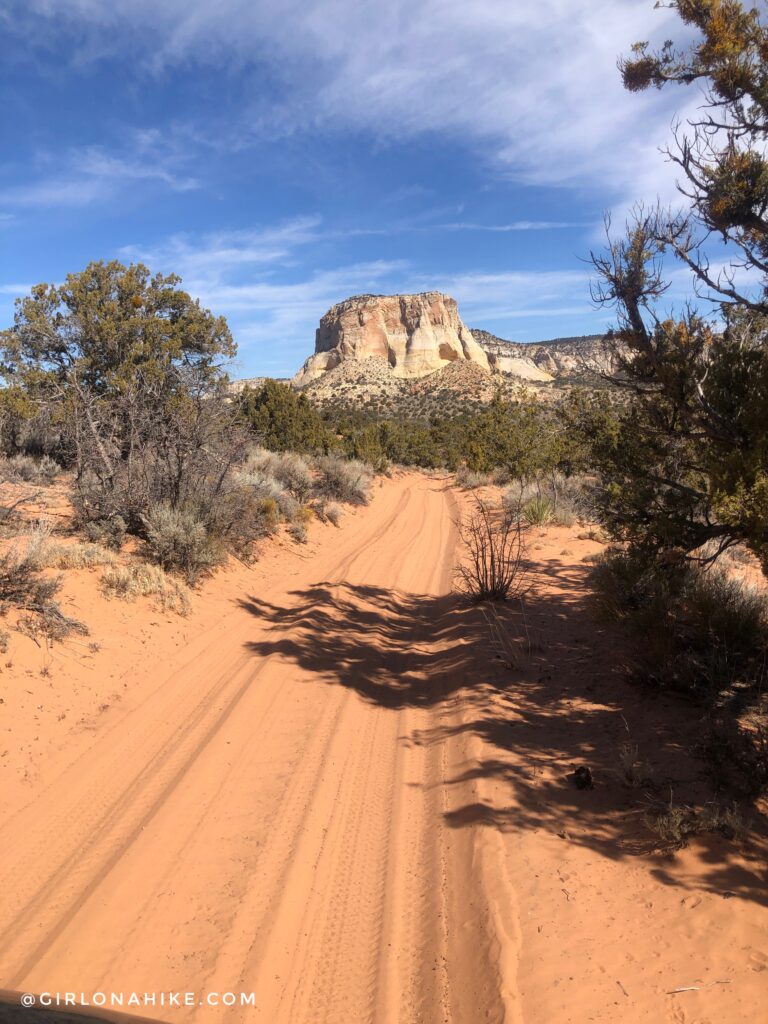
x: 131, y: 369
x: 690, y: 461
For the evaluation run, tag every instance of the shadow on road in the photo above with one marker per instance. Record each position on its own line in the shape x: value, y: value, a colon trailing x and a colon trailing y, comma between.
x: 545, y: 689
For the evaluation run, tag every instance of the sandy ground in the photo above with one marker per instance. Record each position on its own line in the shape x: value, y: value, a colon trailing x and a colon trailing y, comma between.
x: 337, y: 788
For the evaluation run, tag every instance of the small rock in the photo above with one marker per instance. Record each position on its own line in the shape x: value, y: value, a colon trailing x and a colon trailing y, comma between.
x: 582, y: 777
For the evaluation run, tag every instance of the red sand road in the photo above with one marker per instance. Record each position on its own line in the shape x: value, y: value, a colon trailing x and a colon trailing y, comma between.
x: 338, y: 788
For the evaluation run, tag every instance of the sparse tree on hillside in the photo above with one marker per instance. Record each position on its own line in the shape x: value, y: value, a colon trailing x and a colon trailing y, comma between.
x: 130, y: 368
x: 690, y: 462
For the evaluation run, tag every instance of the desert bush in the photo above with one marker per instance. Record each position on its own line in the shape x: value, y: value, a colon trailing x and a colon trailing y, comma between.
x: 265, y: 487
x: 298, y: 532
x: 676, y: 824
x: 333, y: 514
x: 109, y: 532
x: 304, y: 515
x: 23, y: 588
x: 30, y: 470
x: 692, y: 629
x: 31, y: 545
x: 242, y: 516
x: 270, y: 514
x: 41, y: 552
x: 178, y: 541
x: 347, y: 480
x: 140, y: 579
x: 469, y: 479
x: 538, y: 511
x: 327, y: 511
x: 633, y: 771
x: 260, y: 462
x: 737, y: 753
x: 495, y: 566
x: 76, y: 556
x: 288, y: 470
x: 558, y: 499
x: 293, y: 472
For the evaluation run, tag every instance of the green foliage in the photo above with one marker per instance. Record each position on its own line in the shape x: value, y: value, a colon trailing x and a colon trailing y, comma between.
x: 538, y: 511
x: 283, y: 420
x: 128, y: 367
x: 685, y: 463
x: 524, y: 437
x: 695, y: 630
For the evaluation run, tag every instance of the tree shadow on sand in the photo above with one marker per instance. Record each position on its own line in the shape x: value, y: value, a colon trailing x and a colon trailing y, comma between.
x: 545, y: 689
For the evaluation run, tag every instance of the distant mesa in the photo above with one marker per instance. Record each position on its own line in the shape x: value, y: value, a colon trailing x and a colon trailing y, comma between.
x: 408, y: 337
x: 415, y: 334
x: 547, y: 360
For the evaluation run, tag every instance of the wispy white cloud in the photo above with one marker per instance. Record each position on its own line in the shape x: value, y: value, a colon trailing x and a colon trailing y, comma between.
x: 517, y: 225
x: 532, y: 88
x: 92, y: 174
x: 213, y: 255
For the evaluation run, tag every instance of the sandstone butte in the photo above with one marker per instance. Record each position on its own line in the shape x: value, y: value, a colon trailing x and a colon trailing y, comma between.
x: 416, y: 334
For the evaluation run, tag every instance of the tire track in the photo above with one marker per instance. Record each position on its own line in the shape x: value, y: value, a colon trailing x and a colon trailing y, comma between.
x: 254, y: 825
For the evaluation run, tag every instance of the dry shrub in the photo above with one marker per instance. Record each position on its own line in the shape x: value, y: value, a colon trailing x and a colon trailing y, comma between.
x: 676, y: 824
x: 304, y: 515
x: 140, y: 579
x: 293, y: 472
x: 737, y: 753
x: 692, y: 629
x: 298, y: 532
x: 266, y: 488
x: 25, y: 468
x: 495, y: 543
x: 327, y: 511
x: 109, y: 532
x: 470, y: 479
x: 23, y: 588
x: 179, y: 542
x: 333, y: 514
x: 347, y: 480
x: 557, y: 499
x: 632, y: 770
x: 290, y: 470
x: 77, y: 556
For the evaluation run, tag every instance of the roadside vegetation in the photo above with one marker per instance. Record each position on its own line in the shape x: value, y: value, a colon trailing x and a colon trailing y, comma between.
x: 116, y: 393
x: 683, y: 462
x: 671, y: 464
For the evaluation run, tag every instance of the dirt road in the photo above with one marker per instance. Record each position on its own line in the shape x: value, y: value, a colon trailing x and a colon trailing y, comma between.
x: 261, y: 821
x: 313, y: 801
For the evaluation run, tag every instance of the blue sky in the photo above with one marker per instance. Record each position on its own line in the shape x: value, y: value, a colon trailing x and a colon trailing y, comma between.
x: 282, y: 155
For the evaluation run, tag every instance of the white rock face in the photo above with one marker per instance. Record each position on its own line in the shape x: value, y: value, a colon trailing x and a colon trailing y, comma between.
x: 547, y: 360
x: 416, y: 334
